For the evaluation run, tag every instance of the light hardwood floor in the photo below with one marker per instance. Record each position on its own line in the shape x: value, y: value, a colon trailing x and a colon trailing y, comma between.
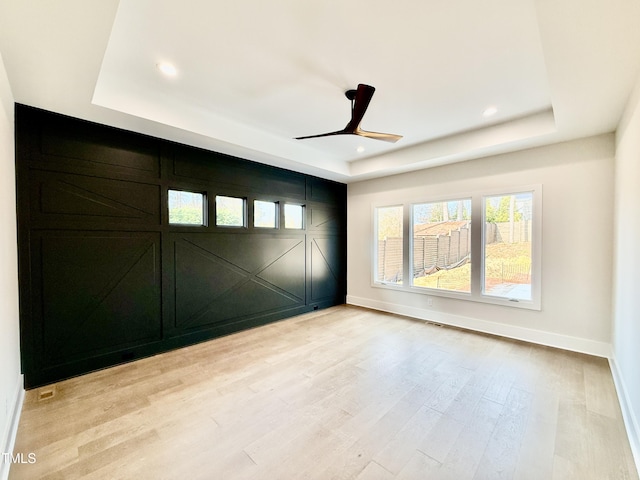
x: 337, y: 394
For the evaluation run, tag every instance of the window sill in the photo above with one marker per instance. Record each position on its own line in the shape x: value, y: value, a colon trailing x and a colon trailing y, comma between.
x: 464, y: 296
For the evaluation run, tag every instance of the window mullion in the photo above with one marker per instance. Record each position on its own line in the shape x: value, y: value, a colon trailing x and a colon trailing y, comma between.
x: 407, y: 235
x: 477, y: 242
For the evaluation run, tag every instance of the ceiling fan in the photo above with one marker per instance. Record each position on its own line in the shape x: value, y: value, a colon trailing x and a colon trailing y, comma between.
x: 360, y: 99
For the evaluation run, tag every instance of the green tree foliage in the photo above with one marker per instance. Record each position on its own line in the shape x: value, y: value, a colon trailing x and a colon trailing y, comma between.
x: 186, y: 215
x: 501, y: 212
x: 229, y: 216
x: 389, y: 222
x: 435, y: 212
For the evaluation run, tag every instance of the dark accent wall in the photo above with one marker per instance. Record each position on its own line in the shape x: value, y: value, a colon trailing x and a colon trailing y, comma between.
x: 104, y: 278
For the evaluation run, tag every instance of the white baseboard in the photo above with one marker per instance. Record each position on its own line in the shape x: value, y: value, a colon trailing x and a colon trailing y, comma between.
x: 630, y: 420
x: 550, y: 339
x: 7, y: 442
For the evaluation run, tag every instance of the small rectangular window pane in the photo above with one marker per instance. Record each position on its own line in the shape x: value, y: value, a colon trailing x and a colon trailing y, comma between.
x: 293, y: 216
x: 229, y: 211
x: 507, y: 249
x: 264, y: 214
x: 389, y: 244
x: 442, y: 245
x: 186, y: 208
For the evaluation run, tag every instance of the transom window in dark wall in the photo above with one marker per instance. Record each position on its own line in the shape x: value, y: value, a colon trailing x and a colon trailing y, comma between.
x: 186, y: 208
x: 265, y: 214
x: 230, y: 211
x: 293, y: 216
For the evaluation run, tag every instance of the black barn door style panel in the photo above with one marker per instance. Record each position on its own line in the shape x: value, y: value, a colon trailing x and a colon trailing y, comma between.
x: 104, y: 277
x: 97, y: 292
x: 326, y: 262
x: 64, y: 198
x: 221, y: 279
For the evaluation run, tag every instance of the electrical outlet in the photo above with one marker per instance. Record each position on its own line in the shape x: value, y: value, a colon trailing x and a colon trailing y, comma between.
x: 429, y: 302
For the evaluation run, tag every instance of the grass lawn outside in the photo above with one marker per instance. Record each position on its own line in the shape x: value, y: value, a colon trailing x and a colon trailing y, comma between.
x: 505, y: 264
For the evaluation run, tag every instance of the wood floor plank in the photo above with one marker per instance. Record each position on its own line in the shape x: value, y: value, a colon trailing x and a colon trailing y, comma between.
x: 402, y: 446
x: 420, y: 466
x: 503, y: 447
x: 536, y: 456
x: 466, y: 453
x: 440, y: 439
x: 609, y: 459
x: 373, y: 471
x: 342, y: 393
x: 600, y: 392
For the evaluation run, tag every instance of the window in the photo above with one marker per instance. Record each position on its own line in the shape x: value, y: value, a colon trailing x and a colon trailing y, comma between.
x: 186, y: 208
x: 230, y: 211
x: 507, y: 246
x: 389, y: 245
x: 441, y: 245
x: 265, y: 214
x: 293, y: 216
x: 483, y: 247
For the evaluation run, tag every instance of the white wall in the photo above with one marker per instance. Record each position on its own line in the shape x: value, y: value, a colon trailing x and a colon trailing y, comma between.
x: 11, y: 392
x: 626, y: 279
x: 577, y: 182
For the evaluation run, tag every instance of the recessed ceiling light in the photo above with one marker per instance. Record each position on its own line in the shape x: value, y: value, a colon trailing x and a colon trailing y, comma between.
x: 360, y: 149
x: 168, y: 69
x: 489, y: 111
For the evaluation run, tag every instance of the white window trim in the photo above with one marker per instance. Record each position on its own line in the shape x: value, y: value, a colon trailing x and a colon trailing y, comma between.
x: 374, y: 236
x: 477, y: 248
x: 456, y: 294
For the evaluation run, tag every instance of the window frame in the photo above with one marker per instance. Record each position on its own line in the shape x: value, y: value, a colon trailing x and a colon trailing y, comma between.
x: 411, y: 276
x: 374, y: 272
x: 478, y: 215
x: 536, y: 249
x: 302, y: 215
x: 205, y: 202
x: 244, y: 211
x: 276, y: 214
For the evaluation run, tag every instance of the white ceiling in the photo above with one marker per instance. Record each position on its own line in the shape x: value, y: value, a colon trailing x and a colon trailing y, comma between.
x: 253, y: 74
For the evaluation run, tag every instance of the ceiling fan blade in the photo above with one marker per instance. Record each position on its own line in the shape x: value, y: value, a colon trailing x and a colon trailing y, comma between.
x: 339, y: 132
x: 385, y: 137
x: 361, y: 101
